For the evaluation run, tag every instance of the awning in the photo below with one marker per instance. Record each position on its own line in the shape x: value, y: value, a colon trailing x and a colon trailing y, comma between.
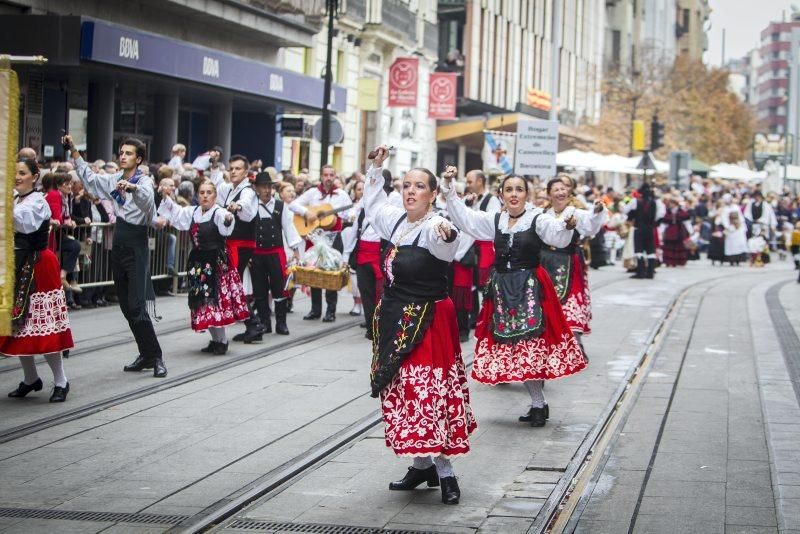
x: 580, y: 160
x: 729, y: 171
x: 695, y: 165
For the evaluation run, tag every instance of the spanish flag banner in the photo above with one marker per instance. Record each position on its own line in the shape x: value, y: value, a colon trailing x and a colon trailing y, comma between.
x: 9, y: 129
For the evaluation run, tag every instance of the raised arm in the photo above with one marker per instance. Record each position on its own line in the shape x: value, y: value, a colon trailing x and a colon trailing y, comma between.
x: 180, y: 218
x: 99, y: 185
x: 377, y: 210
x: 224, y: 221
x: 589, y: 222
x: 553, y: 231
x: 248, y: 204
x: 478, y: 224
x: 144, y: 194
x: 444, y: 249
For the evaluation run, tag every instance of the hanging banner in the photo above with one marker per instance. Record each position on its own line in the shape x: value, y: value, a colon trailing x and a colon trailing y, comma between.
x: 498, y: 149
x: 9, y: 131
x: 442, y: 95
x: 403, y: 77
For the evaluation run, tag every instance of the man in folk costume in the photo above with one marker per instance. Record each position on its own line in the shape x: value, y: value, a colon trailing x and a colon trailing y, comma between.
x: 132, y: 195
x: 273, y: 228
x: 761, y: 215
x: 325, y: 193
x: 480, y: 199
x: 644, y: 210
x: 238, y: 197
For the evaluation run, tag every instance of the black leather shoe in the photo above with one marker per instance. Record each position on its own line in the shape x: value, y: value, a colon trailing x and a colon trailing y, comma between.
x: 450, y: 492
x: 23, y: 389
x: 463, y: 337
x: 282, y: 329
x: 527, y: 417
x: 59, y: 394
x: 159, y: 369
x: 362, y: 325
x: 330, y: 316
x: 415, y: 477
x: 221, y: 349
x: 210, y: 347
x: 250, y: 337
x: 240, y: 337
x: 138, y: 364
x: 312, y: 315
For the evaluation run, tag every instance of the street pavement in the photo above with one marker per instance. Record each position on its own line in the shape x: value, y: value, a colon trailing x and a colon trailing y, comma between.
x: 183, y: 448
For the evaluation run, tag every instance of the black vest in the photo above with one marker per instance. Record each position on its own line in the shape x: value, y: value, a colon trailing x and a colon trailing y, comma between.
x: 207, y: 236
x: 269, y: 230
x: 522, y: 253
x: 35, y: 241
x: 645, y: 213
x: 242, y: 230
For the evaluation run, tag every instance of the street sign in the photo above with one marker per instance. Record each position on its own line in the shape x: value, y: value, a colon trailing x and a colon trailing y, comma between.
x: 537, y: 146
x: 646, y: 163
x: 679, y: 167
x: 336, y: 131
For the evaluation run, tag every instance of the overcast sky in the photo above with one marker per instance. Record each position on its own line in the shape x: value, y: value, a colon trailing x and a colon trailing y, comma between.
x: 743, y: 21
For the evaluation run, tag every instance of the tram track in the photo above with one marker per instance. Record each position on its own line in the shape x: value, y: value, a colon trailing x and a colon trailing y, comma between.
x: 275, y: 480
x: 563, y: 508
x: 37, y: 425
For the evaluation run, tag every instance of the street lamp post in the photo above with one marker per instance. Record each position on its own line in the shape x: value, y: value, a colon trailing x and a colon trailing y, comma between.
x: 332, y: 6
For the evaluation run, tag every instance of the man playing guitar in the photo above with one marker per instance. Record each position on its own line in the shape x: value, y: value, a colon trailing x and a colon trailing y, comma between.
x: 325, y: 193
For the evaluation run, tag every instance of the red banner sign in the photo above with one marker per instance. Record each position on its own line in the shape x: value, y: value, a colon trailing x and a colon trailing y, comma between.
x: 442, y: 95
x: 403, y: 82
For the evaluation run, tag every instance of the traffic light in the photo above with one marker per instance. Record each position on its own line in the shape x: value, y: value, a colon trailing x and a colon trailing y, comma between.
x: 637, y: 136
x: 656, y: 134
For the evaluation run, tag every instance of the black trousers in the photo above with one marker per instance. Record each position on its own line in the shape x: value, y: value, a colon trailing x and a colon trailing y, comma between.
x: 644, y: 242
x: 331, y: 297
x: 368, y: 287
x: 133, y: 306
x: 267, y: 276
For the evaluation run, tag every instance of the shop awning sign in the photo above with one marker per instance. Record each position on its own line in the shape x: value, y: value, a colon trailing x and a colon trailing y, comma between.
x: 403, y: 78
x: 122, y: 46
x: 537, y: 146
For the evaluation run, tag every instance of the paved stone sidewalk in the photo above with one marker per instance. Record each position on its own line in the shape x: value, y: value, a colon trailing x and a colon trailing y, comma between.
x: 694, y: 456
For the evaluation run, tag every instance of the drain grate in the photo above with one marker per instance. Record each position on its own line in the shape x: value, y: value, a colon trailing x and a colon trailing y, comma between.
x: 114, y: 517
x: 311, y: 528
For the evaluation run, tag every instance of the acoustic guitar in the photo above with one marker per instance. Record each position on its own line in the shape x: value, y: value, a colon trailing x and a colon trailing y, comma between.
x: 326, y: 218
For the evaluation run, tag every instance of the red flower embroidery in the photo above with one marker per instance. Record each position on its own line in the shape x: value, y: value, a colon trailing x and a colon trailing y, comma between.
x: 512, y: 312
x: 531, y: 321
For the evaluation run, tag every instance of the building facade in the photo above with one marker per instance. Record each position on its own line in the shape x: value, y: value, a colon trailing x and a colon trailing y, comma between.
x: 369, y: 36
x: 692, y: 24
x: 502, y: 52
x: 773, y: 76
x: 200, y: 72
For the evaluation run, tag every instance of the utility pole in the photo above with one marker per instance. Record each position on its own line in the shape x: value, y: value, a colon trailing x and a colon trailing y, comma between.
x: 332, y: 6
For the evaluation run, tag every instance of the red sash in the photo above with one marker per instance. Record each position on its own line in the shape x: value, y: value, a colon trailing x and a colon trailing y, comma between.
x: 233, y: 249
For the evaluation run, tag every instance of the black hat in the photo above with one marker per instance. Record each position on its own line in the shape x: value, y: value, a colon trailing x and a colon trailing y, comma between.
x: 263, y: 178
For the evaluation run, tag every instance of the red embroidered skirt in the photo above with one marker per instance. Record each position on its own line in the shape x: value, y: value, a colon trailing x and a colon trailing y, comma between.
x: 554, y: 354
x: 578, y: 306
x: 426, y: 409
x: 231, y: 305
x: 46, y: 326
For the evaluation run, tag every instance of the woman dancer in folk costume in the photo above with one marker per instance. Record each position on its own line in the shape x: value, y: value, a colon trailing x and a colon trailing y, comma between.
x: 216, y: 297
x: 40, y: 322
x: 567, y: 265
x: 522, y: 333
x: 417, y: 369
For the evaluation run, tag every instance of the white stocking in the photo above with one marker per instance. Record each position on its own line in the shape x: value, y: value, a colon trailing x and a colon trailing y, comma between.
x: 29, y: 369
x: 57, y: 366
x: 534, y: 387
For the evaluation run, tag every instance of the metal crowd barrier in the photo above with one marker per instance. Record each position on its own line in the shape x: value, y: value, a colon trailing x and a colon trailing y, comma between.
x: 96, y: 239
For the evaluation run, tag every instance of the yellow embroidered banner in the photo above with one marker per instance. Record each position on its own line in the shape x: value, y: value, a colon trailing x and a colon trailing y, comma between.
x: 9, y: 129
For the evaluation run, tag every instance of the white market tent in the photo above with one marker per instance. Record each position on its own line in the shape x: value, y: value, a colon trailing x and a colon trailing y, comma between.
x: 612, y: 163
x: 729, y: 171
